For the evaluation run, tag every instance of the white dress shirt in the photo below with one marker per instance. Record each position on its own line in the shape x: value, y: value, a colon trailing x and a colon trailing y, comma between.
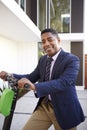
x: 52, y: 64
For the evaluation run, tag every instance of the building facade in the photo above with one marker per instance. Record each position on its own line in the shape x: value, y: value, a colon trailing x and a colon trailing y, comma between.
x: 21, y: 23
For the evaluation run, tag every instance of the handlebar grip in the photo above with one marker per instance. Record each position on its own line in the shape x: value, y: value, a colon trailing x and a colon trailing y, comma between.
x: 27, y: 86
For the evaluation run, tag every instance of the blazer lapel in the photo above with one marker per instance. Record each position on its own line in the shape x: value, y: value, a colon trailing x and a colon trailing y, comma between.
x: 57, y: 62
x: 44, y: 67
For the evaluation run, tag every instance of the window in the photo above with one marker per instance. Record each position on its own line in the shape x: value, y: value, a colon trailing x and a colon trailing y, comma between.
x: 65, y: 23
x: 22, y: 4
x: 60, y: 15
x: 54, y: 14
x: 41, y: 14
x: 40, y: 50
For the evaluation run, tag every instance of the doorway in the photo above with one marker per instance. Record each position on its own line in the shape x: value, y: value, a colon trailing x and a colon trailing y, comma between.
x: 77, y: 49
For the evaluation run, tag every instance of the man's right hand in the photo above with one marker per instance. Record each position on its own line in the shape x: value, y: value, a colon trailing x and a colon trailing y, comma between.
x: 3, y: 75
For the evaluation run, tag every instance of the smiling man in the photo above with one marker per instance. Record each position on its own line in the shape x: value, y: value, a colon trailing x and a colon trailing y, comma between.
x: 48, y: 40
x: 58, y: 102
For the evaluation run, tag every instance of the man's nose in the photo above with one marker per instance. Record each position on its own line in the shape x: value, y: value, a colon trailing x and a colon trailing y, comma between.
x: 47, y: 42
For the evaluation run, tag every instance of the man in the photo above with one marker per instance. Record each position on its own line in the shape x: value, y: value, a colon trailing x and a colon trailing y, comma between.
x: 58, y: 103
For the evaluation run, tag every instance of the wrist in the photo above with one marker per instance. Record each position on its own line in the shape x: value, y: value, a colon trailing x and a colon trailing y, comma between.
x: 33, y: 87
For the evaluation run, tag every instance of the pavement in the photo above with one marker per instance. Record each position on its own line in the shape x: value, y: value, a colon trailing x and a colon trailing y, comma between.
x: 26, y: 104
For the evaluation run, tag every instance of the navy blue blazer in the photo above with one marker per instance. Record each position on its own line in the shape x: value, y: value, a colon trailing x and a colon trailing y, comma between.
x: 61, y: 88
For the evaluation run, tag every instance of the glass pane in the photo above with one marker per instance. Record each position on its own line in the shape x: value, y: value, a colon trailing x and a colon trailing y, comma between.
x: 40, y: 50
x: 42, y: 15
x: 60, y: 15
x: 22, y: 4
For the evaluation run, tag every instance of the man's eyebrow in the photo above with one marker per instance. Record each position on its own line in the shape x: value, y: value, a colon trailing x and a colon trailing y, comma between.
x: 47, y: 38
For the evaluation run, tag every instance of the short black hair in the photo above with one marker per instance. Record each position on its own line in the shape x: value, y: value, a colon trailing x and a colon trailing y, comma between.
x: 53, y: 31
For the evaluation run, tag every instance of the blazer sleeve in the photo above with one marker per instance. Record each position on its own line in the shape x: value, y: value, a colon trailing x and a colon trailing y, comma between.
x: 67, y: 78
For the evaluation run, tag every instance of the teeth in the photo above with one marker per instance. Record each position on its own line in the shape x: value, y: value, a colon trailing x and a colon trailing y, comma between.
x: 48, y: 48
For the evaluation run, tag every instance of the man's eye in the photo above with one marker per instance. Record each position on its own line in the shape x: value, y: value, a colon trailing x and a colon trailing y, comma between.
x: 50, y: 40
x: 43, y: 42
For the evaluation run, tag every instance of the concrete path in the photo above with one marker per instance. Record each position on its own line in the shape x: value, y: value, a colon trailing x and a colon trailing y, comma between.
x: 26, y: 105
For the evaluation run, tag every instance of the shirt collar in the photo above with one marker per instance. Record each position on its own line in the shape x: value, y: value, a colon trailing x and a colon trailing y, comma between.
x: 56, y: 55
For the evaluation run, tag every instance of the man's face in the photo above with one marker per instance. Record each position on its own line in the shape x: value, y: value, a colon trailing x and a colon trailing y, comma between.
x: 50, y: 43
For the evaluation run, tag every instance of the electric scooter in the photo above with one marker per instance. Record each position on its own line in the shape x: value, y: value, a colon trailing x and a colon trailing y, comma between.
x: 11, y: 93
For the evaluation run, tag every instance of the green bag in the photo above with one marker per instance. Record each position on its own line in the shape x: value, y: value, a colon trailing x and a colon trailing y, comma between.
x: 6, y: 101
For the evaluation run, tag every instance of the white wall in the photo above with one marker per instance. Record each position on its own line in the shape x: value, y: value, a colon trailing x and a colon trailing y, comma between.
x: 8, y: 55
x: 17, y: 57
x: 65, y: 44
x: 27, y: 57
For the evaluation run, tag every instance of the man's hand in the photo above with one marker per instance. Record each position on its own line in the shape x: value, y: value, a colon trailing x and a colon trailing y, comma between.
x: 22, y: 82
x: 3, y: 75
